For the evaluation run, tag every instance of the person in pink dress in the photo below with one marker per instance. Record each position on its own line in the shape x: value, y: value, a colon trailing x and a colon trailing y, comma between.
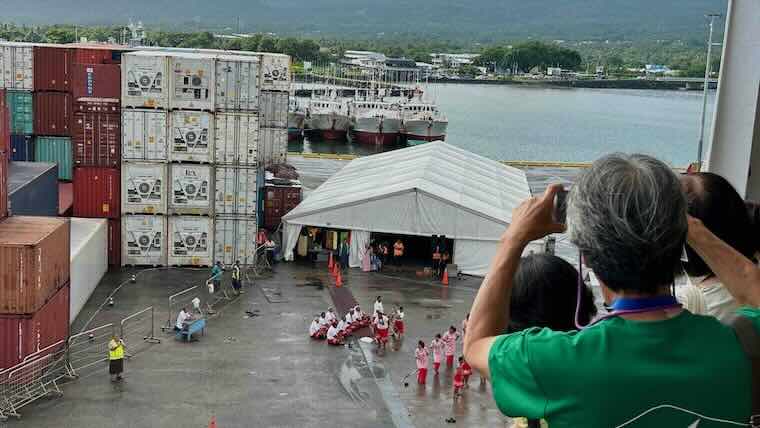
x: 437, y: 346
x: 459, y: 380
x: 466, y: 371
x: 421, y: 355
x: 450, y: 340
x: 398, y: 322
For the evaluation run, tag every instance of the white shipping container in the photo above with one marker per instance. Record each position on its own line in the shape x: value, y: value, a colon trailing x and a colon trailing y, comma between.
x: 236, y: 137
x: 235, y: 239
x: 143, y: 240
x: 192, y: 189
x: 273, y: 112
x: 143, y: 188
x: 237, y: 86
x: 89, y: 260
x: 143, y: 135
x: 192, y: 241
x: 16, y: 66
x: 275, y: 72
x: 192, y: 81
x: 144, y: 79
x: 236, y: 191
x: 273, y: 146
x: 191, y: 136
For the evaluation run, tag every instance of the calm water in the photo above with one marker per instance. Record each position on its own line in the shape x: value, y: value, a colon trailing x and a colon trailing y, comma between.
x: 555, y: 124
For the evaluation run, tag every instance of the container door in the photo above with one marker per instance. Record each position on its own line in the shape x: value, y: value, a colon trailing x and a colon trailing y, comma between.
x: 191, y: 136
x: 248, y: 84
x: 191, y: 189
x: 249, y: 139
x: 192, y: 241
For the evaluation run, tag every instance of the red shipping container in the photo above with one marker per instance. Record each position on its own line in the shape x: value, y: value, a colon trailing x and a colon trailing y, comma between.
x: 96, y: 139
x: 65, y: 198
x: 4, y: 154
x: 100, y: 105
x: 96, y: 80
x: 23, y: 335
x: 97, y: 192
x: 114, y: 242
x: 93, y: 55
x: 278, y: 201
x: 52, y: 68
x: 52, y: 113
x: 34, y: 261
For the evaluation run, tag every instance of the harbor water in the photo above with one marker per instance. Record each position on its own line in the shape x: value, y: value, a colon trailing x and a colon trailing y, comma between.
x: 508, y: 122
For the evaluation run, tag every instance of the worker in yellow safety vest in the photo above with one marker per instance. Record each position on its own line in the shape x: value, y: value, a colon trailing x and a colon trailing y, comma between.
x: 116, y: 350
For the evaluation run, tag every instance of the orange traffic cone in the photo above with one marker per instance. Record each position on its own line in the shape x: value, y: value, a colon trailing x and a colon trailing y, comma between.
x: 339, y: 280
x: 212, y: 424
x: 445, y: 279
x: 330, y: 262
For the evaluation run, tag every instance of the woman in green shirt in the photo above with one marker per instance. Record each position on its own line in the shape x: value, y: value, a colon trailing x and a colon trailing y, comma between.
x: 649, y: 364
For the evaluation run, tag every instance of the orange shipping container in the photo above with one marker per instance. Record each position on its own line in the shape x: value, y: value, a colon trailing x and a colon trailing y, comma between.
x: 34, y: 261
x: 23, y: 335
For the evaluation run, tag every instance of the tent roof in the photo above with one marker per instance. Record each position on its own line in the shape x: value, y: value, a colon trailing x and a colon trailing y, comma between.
x: 438, y: 172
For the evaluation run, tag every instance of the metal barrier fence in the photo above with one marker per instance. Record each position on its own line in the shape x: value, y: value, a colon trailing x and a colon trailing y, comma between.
x: 179, y: 300
x: 38, y: 375
x: 35, y: 377
x: 88, y: 348
x: 139, y: 327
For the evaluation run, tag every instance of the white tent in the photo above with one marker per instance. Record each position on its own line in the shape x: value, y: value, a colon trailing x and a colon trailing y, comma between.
x: 431, y: 189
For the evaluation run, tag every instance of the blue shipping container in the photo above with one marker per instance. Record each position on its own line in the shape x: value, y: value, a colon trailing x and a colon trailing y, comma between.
x: 33, y: 188
x: 22, y: 148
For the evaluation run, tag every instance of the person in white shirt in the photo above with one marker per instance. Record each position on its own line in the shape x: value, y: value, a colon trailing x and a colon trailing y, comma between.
x: 343, y: 328
x: 323, y: 324
x: 182, y: 318
x: 437, y: 346
x: 398, y: 322
x: 379, y: 305
x: 421, y: 358
x: 333, y: 337
x: 360, y: 317
x: 314, y: 330
x: 330, y: 316
x: 381, y: 329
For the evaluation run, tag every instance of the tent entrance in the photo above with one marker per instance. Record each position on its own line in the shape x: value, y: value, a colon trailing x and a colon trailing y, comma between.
x: 418, y: 250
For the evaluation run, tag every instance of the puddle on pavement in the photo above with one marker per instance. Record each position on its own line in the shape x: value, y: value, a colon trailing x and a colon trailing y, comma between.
x: 311, y: 281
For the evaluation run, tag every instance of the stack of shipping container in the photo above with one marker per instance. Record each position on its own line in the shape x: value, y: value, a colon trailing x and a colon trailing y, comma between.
x: 96, y: 139
x: 191, y: 151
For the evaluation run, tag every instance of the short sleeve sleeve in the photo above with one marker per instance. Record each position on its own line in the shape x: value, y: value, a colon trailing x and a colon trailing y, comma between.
x: 515, y: 388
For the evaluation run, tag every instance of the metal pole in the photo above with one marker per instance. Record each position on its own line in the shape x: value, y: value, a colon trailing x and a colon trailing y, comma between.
x: 706, y: 85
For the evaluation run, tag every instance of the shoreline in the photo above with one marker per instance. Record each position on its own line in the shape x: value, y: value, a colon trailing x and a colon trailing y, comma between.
x: 671, y: 85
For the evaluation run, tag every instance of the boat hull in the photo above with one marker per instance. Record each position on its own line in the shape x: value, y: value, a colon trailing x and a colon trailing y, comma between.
x: 425, y: 130
x: 377, y: 131
x: 329, y: 126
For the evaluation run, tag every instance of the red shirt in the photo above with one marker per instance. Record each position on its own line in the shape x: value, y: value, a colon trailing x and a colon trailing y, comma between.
x: 459, y: 375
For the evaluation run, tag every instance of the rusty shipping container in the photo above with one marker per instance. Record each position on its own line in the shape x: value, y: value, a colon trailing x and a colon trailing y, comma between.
x: 96, y: 133
x: 114, y: 242
x: 278, y: 201
x: 52, y: 68
x: 5, y: 138
x: 96, y: 80
x: 34, y: 261
x: 52, y: 113
x: 84, y: 54
x: 97, y: 192
x: 23, y: 335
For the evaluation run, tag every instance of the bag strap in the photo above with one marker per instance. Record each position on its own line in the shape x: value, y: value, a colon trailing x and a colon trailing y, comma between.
x: 749, y: 339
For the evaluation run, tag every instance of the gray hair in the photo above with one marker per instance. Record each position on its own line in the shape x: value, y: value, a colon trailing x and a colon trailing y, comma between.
x: 627, y: 214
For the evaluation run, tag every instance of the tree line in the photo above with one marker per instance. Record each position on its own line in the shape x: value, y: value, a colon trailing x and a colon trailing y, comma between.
x: 523, y: 56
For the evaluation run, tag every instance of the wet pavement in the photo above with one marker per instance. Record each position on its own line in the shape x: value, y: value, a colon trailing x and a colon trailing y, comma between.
x: 263, y: 370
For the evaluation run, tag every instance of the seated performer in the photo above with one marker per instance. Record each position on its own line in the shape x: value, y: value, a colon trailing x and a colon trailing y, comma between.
x: 330, y: 316
x: 315, y: 331
x: 332, y: 336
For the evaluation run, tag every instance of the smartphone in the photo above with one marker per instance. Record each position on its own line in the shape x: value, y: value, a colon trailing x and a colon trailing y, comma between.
x: 560, y: 206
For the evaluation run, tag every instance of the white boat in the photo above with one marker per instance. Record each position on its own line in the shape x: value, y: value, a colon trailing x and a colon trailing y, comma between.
x: 376, y: 122
x: 422, y: 121
x: 296, y: 119
x: 328, y: 117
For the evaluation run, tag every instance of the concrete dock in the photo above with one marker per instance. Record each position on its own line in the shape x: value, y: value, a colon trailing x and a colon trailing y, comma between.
x: 264, y: 370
